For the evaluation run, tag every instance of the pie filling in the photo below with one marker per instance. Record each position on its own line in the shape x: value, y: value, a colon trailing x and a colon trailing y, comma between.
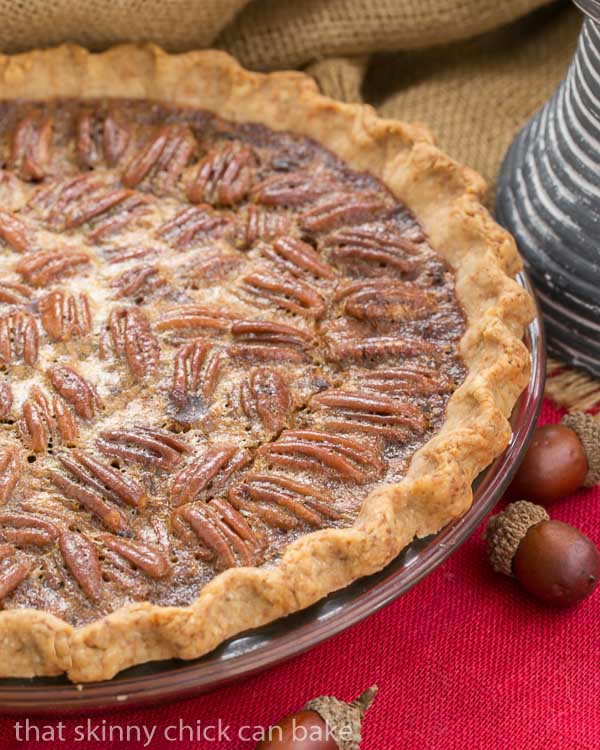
x: 214, y: 339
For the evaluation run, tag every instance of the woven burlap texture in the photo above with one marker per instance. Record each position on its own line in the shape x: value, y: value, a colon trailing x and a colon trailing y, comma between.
x: 261, y: 33
x: 472, y: 70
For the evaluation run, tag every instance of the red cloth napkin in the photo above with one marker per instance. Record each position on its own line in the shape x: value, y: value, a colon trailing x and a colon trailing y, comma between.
x: 464, y: 661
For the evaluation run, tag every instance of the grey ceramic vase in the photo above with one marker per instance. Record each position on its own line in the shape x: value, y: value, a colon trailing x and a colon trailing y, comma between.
x: 549, y: 199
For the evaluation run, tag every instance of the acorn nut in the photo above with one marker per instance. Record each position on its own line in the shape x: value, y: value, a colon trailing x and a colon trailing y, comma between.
x: 325, y: 723
x: 554, y: 465
x: 552, y: 560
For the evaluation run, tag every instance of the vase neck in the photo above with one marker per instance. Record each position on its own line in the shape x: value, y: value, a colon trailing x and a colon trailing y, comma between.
x: 590, y: 7
x: 580, y: 92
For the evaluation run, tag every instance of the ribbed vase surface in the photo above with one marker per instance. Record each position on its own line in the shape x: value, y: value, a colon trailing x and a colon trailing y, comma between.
x: 549, y: 198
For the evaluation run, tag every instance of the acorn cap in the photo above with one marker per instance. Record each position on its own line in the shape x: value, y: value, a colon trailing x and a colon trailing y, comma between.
x: 504, y: 531
x: 588, y: 432
x: 343, y: 719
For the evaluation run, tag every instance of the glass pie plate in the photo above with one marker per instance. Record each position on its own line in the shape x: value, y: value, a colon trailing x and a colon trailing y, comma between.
x: 253, y: 651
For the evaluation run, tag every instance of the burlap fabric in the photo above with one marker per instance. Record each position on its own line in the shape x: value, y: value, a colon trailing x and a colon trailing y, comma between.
x: 473, y: 70
x: 261, y: 33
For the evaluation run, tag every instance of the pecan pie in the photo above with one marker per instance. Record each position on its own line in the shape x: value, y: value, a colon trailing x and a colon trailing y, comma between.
x: 252, y: 340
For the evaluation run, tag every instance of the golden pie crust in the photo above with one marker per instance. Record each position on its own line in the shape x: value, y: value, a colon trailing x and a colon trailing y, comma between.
x: 445, y: 197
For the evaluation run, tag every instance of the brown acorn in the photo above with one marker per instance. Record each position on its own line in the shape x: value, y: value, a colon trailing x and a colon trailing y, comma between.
x: 554, y: 465
x: 560, y: 459
x: 324, y: 723
x: 552, y: 560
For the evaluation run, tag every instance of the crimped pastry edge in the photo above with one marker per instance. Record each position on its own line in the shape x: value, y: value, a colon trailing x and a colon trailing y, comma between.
x: 446, y: 198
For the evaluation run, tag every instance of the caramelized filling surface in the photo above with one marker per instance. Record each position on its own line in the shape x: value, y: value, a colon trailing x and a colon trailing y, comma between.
x: 214, y: 338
